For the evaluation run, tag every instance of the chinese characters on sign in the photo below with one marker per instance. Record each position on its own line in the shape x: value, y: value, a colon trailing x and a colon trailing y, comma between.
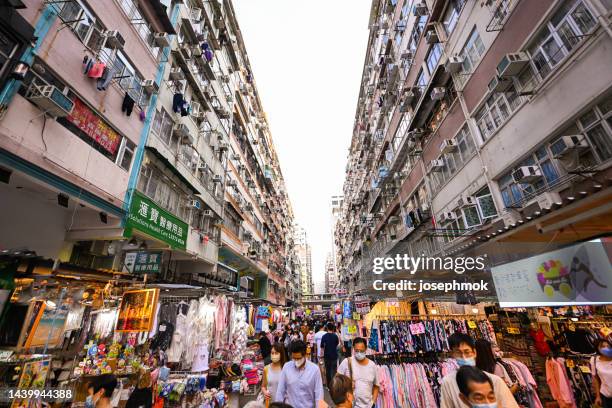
x: 93, y: 125
x: 148, y: 217
x: 143, y: 262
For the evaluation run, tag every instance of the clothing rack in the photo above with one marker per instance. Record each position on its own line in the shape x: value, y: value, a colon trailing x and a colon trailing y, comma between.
x: 480, y: 316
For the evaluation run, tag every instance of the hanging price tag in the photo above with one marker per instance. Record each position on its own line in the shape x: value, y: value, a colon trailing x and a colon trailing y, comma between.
x: 569, y: 363
x: 585, y: 369
x: 472, y: 324
x: 352, y: 329
x: 356, y: 316
x: 513, y: 330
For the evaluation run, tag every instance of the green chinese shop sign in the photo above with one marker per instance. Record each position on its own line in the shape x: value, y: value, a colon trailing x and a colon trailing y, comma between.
x: 150, y: 218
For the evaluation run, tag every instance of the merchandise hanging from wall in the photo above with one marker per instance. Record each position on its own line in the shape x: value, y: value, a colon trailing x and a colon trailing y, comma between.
x: 137, y: 309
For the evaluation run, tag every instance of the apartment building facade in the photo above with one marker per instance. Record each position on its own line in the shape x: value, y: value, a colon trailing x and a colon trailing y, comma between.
x: 138, y: 129
x: 304, y: 254
x: 331, y: 270
x: 478, y: 123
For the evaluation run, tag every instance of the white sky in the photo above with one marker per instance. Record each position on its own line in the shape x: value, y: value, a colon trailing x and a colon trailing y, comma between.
x: 307, y: 58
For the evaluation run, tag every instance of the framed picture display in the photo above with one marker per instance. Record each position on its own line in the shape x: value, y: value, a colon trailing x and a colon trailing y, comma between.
x: 136, y: 310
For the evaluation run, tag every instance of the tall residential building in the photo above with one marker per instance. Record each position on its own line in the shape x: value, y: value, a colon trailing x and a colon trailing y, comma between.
x: 331, y: 272
x: 302, y: 248
x: 478, y: 123
x: 138, y: 128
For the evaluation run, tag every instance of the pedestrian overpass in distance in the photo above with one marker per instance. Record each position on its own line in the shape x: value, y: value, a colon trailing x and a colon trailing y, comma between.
x: 323, y: 299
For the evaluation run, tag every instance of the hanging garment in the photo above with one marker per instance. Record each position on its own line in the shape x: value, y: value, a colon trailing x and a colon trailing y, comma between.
x: 177, y: 102
x: 127, y: 105
x: 558, y: 383
x: 87, y: 64
x: 96, y: 70
x: 179, y: 341
x: 106, y: 78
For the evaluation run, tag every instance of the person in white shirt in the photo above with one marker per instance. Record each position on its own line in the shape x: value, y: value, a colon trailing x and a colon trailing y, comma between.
x: 318, y: 336
x: 362, y: 371
x: 601, y: 369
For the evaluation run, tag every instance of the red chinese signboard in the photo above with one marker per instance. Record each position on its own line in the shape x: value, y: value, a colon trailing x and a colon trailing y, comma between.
x: 93, y: 125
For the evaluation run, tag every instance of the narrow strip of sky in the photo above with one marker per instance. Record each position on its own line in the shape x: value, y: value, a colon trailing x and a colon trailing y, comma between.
x: 307, y: 59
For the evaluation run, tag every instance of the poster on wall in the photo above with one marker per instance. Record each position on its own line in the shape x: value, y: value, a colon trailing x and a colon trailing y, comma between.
x: 136, y: 310
x: 574, y: 275
x: 50, y: 328
x: 33, y: 376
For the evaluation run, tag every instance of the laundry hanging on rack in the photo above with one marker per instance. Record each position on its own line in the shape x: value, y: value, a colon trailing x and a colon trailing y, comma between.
x: 96, y: 70
x: 106, y: 78
x: 128, y: 104
x: 411, y: 384
x: 410, y: 336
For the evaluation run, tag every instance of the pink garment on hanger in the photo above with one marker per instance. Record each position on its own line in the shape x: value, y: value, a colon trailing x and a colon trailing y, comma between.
x: 97, y: 70
x: 559, y: 385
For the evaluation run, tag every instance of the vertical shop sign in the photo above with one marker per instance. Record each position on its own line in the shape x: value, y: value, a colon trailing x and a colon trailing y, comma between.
x: 150, y: 218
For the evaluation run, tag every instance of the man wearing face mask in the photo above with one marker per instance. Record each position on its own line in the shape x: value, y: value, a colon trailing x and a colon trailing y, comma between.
x: 463, y: 350
x: 300, y: 383
x: 100, y: 390
x: 476, y: 388
x: 362, y: 371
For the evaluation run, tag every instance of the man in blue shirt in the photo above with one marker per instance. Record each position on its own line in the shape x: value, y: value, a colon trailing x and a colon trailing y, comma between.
x: 329, y: 344
x: 300, y: 383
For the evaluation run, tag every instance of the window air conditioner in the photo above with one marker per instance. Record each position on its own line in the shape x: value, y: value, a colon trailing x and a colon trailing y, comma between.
x: 114, y: 40
x: 202, y: 168
x: 571, y: 143
x: 161, y: 39
x: 512, y: 64
x: 196, y: 51
x: 208, y: 213
x: 196, y: 14
x: 196, y: 110
x: 232, y: 183
x: 527, y: 174
x: 217, y: 179
x: 438, y: 93
x: 448, y: 146
x: 466, y: 201
x: 223, y: 146
x: 51, y: 100
x: 235, y: 156
x: 150, y: 86
x: 447, y: 216
x: 394, y: 219
x: 420, y: 9
x: 499, y: 84
x: 454, y: 64
x: 196, y: 204
x: 407, y: 55
x: 176, y: 74
x: 431, y: 37
x: 435, y: 165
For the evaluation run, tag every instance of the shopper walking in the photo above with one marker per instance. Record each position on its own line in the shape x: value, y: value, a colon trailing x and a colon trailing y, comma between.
x: 362, y: 371
x: 265, y: 346
x: 100, y: 390
x: 272, y: 372
x: 601, y: 369
x: 463, y: 349
x: 476, y: 388
x: 329, y: 344
x: 341, y: 391
x: 485, y: 360
x: 300, y: 381
x: 320, y: 332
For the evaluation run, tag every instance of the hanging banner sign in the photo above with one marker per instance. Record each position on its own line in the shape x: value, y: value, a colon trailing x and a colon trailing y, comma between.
x: 150, y: 218
x: 94, y: 126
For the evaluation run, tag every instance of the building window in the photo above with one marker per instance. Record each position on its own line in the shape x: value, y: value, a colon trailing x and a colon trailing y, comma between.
x: 451, y: 15
x: 163, y: 127
x: 422, y: 79
x: 433, y: 56
x: 453, y: 162
x: 164, y: 191
x: 496, y: 111
x: 513, y: 193
x: 84, y: 121
x: 472, y: 51
x: 8, y: 48
x: 566, y: 28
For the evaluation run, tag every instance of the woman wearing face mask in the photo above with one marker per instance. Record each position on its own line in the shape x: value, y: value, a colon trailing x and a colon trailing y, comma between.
x: 341, y: 391
x: 475, y: 388
x: 601, y: 369
x: 272, y: 372
x: 100, y: 390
